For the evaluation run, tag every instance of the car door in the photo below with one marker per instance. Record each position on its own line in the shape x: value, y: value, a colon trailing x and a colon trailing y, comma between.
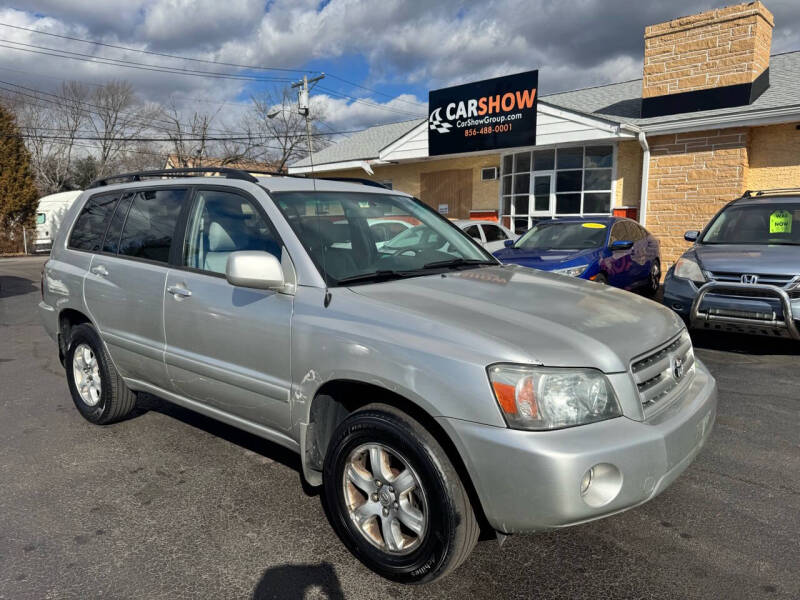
x: 474, y: 232
x: 124, y: 286
x: 640, y: 254
x: 495, y: 237
x: 227, y: 346
x: 618, y: 263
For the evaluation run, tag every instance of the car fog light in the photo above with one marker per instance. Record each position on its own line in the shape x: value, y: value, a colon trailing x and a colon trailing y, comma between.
x: 587, y: 481
x: 601, y: 484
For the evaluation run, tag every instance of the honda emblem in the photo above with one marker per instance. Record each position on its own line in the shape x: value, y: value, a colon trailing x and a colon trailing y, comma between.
x: 749, y: 278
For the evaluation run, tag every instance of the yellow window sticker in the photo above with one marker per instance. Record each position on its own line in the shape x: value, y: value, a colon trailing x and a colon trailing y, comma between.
x: 780, y: 222
x: 594, y: 226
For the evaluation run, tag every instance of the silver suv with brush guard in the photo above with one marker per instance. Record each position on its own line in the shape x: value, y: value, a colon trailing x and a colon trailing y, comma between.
x: 431, y: 391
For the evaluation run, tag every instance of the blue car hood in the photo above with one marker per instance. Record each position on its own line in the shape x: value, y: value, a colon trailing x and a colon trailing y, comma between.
x: 547, y: 260
x: 747, y: 258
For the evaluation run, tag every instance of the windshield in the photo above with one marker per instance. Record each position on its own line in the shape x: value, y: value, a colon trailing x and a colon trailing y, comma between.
x: 564, y: 236
x: 345, y: 233
x: 756, y: 224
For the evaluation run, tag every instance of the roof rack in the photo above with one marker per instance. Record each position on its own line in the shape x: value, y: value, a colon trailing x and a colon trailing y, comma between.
x: 360, y: 180
x: 756, y: 193
x: 228, y: 172
x: 179, y: 172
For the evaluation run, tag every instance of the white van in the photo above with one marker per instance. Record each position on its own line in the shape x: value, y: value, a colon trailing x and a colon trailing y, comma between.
x: 50, y: 211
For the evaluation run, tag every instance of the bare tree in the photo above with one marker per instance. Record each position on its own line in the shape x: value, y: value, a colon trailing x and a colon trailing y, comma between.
x: 280, y: 130
x: 51, y: 130
x: 117, y: 118
x: 189, y: 141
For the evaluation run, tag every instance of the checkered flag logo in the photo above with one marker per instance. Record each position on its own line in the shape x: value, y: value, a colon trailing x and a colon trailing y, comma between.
x: 436, y: 123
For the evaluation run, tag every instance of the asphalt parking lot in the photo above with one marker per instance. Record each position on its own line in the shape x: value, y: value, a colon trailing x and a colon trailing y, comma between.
x: 169, y: 504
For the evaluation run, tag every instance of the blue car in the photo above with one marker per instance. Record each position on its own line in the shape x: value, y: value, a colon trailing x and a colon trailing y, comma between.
x: 611, y: 250
x: 743, y: 272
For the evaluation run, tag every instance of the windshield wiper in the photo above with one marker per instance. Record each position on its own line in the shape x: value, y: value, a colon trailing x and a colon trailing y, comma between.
x: 380, y: 275
x: 457, y: 262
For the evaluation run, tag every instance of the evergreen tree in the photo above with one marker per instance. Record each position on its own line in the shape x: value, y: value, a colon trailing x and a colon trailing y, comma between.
x: 18, y: 194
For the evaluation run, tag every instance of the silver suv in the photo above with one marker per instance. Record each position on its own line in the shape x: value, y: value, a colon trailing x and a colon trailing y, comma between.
x: 433, y: 392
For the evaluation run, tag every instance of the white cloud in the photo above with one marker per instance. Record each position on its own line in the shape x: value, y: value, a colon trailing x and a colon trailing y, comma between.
x: 414, y: 43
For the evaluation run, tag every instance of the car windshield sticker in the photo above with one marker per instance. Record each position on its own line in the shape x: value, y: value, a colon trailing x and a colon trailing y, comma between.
x: 780, y: 222
x: 594, y: 226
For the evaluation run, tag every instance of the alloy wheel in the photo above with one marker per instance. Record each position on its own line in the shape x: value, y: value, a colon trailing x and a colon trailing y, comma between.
x: 384, y: 499
x: 86, y: 372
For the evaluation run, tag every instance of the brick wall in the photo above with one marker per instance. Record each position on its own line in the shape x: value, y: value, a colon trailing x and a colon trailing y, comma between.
x: 692, y: 175
x: 726, y: 46
x: 774, y: 157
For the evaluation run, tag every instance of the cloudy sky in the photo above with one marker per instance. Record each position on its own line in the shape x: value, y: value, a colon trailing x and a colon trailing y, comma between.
x: 395, y: 50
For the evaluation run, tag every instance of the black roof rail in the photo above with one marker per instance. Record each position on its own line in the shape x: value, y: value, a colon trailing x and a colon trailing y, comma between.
x: 360, y: 180
x: 756, y: 193
x: 229, y: 173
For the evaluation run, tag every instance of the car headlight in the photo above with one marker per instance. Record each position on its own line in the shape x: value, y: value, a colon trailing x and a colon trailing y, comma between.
x: 686, y: 268
x: 571, y: 271
x: 542, y: 398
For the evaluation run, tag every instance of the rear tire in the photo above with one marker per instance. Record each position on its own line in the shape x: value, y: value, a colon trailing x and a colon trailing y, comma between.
x: 97, y: 390
x: 413, y: 532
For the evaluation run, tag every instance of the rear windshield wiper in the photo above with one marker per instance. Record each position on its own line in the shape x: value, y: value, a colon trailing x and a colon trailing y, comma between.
x: 458, y: 262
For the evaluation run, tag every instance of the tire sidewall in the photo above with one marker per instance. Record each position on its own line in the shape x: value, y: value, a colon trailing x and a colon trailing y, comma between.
x: 373, y: 427
x: 85, y: 334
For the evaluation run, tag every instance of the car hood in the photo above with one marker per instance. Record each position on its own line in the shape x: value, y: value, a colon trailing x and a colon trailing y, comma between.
x: 747, y: 258
x: 546, y: 259
x: 543, y: 317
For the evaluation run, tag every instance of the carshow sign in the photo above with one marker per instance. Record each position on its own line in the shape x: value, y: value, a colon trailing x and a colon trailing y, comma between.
x: 484, y: 115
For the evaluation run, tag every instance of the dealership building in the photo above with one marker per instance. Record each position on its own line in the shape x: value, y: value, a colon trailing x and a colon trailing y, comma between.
x: 714, y: 115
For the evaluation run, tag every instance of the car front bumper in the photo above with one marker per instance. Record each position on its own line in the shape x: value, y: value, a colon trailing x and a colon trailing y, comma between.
x: 531, y: 481
x: 725, y: 306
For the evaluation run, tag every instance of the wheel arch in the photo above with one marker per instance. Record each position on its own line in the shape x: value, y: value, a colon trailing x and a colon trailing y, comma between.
x: 67, y: 319
x: 336, y: 399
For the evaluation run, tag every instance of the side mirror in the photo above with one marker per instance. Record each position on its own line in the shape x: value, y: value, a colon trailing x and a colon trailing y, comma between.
x: 508, y: 243
x: 621, y: 245
x: 254, y: 269
x: 691, y: 236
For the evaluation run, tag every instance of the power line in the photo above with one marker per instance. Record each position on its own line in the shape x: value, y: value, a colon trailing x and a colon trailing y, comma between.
x: 153, y: 53
x: 118, y: 62
x: 363, y: 87
x: 235, y: 65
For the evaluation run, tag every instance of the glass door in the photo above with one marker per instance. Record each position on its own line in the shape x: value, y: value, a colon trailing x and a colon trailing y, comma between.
x: 542, y: 194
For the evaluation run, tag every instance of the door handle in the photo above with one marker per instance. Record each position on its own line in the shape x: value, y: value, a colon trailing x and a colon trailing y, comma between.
x: 99, y: 270
x: 178, y: 291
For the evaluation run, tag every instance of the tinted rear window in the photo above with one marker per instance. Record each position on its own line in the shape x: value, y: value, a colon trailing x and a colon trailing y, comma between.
x: 91, y: 224
x: 150, y: 225
x: 111, y: 243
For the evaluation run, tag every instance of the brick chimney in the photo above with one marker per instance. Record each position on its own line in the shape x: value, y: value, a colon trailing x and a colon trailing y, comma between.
x: 722, y: 47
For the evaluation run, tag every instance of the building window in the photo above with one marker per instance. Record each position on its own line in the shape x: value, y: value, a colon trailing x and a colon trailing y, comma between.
x: 573, y: 180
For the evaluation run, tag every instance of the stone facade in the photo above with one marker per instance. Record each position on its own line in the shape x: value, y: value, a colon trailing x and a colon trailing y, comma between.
x: 774, y: 157
x: 692, y: 175
x: 628, y: 185
x: 405, y: 177
x: 725, y: 46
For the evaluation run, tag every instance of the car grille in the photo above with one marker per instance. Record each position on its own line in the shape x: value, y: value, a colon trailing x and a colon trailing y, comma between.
x: 787, y: 282
x: 660, y: 375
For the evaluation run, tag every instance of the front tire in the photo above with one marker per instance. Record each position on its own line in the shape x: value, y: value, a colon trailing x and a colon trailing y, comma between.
x: 653, y: 279
x: 97, y: 390
x: 395, y: 499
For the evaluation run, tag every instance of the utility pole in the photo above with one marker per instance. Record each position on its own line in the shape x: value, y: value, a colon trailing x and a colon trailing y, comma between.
x: 303, y: 109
